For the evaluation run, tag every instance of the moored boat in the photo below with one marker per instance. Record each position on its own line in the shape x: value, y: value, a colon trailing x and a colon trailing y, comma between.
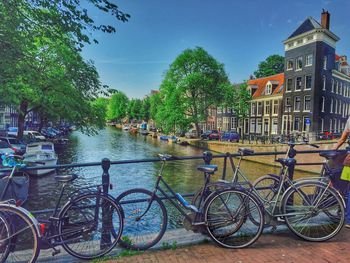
x: 126, y: 127
x: 144, y: 132
x: 40, y: 154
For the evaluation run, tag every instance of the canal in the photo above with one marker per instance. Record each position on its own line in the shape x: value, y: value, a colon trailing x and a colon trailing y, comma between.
x: 119, y: 145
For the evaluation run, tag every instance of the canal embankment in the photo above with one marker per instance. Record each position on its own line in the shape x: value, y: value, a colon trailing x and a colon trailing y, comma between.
x: 224, y: 147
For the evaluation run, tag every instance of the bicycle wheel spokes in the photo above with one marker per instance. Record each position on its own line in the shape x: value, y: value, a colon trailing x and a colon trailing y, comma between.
x: 228, y: 216
x: 145, y: 221
x: 18, y: 237
x: 90, y: 226
x: 313, y: 211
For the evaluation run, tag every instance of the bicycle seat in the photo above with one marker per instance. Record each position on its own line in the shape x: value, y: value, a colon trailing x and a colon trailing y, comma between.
x: 286, y: 161
x: 207, y: 168
x: 65, y: 178
x: 245, y: 151
x: 164, y: 157
x: 329, y: 154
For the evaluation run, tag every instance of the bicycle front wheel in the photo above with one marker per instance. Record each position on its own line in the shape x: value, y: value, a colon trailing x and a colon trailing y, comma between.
x: 145, y: 219
x: 19, y: 241
x: 228, y: 217
x: 307, y: 207
x: 90, y: 225
x: 267, y: 187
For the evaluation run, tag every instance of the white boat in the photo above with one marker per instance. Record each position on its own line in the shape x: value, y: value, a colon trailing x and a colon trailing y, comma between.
x: 40, y: 154
x: 126, y: 127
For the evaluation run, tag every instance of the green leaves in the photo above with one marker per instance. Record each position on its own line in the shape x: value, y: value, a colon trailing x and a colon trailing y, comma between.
x: 274, y: 64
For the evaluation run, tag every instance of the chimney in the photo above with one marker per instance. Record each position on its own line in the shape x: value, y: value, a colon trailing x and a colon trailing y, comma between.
x: 325, y: 17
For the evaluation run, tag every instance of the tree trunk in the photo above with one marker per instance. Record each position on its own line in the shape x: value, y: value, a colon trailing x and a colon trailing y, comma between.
x: 23, y: 107
x: 197, y: 129
x: 41, y: 124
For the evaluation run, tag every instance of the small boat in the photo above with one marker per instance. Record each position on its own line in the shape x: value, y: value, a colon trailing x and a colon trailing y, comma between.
x: 163, y: 138
x: 126, y: 127
x: 40, y: 154
x: 172, y: 139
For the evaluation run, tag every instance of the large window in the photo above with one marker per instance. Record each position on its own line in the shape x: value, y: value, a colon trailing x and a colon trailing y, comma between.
x: 267, y: 107
x: 290, y: 64
x: 308, y: 80
x: 331, y: 109
x: 333, y: 85
x: 289, y: 85
x: 253, y: 109
x: 274, y: 126
x: 288, y: 105
x: 307, y: 103
x: 298, y: 83
x: 275, y: 107
x: 325, y: 62
x: 299, y: 63
x: 322, y: 103
x: 324, y: 83
x: 297, y: 103
x: 258, y: 126
x: 296, y: 124
x: 260, y: 107
x: 309, y: 59
x: 252, y: 125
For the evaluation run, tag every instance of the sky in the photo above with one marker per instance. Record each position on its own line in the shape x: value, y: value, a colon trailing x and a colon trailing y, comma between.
x: 239, y: 34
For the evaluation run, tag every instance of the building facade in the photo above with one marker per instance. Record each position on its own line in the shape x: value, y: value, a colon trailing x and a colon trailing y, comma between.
x: 317, y: 81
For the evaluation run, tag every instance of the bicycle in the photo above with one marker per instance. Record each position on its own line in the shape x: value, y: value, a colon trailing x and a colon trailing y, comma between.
x: 88, y: 226
x: 146, y: 217
x: 304, y: 205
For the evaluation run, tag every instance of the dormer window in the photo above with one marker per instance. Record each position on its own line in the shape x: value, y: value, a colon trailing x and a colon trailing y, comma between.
x: 268, y: 89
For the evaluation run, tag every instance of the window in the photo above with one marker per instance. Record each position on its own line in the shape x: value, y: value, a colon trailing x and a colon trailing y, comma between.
x: 274, y: 126
x: 309, y: 38
x: 258, y: 126
x: 297, y: 124
x: 325, y: 62
x: 298, y: 83
x: 322, y: 125
x: 336, y: 106
x: 253, y: 109
x: 259, y: 108
x: 290, y: 64
x: 322, y: 103
x: 291, y: 44
x: 307, y: 123
x: 275, y: 107
x: 300, y: 41
x: 308, y: 80
x: 330, y: 125
x: 299, y: 63
x: 297, y: 103
x: 289, y: 85
x: 307, y: 103
x: 266, y: 126
x: 233, y: 123
x: 324, y: 83
x: 331, y: 110
x: 267, y: 107
x: 309, y: 59
x: 268, y: 89
x: 288, y: 105
x: 332, y: 85
x: 252, y: 125
x: 336, y: 86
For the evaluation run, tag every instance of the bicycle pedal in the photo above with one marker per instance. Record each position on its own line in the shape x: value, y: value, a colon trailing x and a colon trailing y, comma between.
x: 55, y: 252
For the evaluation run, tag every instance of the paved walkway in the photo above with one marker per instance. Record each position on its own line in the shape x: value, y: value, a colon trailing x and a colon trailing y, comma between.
x: 282, y: 247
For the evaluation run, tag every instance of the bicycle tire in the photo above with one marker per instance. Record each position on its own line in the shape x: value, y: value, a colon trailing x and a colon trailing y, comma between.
x: 241, y: 232
x: 5, y: 234
x: 75, y: 233
x: 266, y: 187
x: 151, y: 228
x: 310, y: 196
x: 23, y: 242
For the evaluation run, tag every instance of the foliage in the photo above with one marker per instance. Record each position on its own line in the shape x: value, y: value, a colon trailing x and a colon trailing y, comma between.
x: 155, y: 103
x: 134, y: 109
x: 194, y: 82
x: 240, y: 101
x: 145, y: 109
x: 273, y: 64
x: 117, y: 107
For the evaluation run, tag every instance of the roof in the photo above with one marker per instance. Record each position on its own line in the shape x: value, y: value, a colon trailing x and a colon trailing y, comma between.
x: 261, y: 84
x: 309, y: 24
x: 337, y: 57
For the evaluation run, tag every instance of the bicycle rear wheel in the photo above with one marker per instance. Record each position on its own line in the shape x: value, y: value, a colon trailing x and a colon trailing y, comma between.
x: 19, y: 235
x: 90, y: 225
x: 307, y: 207
x: 145, y: 219
x: 228, y: 216
x: 267, y: 187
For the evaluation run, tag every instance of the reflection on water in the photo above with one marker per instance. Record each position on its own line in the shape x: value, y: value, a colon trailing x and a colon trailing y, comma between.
x: 115, y: 144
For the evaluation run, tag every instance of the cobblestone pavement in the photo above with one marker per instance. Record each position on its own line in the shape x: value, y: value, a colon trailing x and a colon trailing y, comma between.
x: 282, y: 247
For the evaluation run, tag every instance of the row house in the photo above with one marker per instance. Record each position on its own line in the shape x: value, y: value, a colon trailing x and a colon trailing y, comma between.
x: 265, y: 106
x: 317, y: 92
x: 8, y: 116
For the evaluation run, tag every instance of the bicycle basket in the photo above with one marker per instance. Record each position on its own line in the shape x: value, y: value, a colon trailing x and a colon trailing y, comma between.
x: 17, y: 188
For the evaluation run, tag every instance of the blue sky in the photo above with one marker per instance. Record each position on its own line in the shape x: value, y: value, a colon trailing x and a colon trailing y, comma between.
x: 238, y: 34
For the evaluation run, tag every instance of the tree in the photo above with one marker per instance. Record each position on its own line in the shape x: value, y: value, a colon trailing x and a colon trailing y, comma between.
x: 273, y: 64
x: 145, y: 109
x: 194, y: 82
x: 117, y: 107
x: 134, y: 109
x: 155, y: 103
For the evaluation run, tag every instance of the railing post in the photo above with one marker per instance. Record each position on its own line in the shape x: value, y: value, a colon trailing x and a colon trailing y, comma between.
x: 207, y: 157
x: 106, y: 211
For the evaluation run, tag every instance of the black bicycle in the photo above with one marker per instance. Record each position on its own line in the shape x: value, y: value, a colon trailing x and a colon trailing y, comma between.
x: 88, y: 226
x: 225, y: 214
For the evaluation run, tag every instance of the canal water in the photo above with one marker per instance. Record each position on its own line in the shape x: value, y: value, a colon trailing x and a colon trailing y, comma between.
x: 115, y: 144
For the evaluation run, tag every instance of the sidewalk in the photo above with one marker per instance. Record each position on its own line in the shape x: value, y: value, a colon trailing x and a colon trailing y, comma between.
x: 281, y: 247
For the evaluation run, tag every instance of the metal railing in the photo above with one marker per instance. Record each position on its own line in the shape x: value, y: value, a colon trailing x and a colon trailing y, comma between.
x: 207, y: 157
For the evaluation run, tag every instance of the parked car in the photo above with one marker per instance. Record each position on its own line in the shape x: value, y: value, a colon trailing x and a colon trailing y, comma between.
x: 12, y: 131
x: 191, y: 134
x: 230, y: 137
x: 14, y: 144
x: 5, y: 148
x: 214, y: 135
x: 205, y: 135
